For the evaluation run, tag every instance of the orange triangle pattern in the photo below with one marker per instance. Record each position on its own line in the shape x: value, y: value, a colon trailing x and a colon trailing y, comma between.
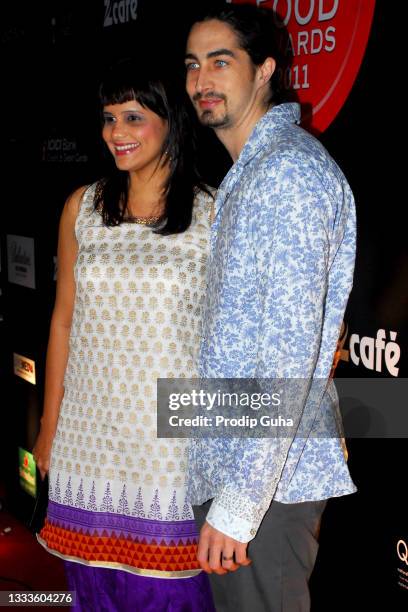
x: 173, y: 557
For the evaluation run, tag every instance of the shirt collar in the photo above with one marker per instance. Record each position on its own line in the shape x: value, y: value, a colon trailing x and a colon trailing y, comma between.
x: 276, y: 117
x: 261, y: 135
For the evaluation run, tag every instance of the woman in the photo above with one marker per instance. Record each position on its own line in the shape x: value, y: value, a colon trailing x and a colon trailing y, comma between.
x: 132, y: 256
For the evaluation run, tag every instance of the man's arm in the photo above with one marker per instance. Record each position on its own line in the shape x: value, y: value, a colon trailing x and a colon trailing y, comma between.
x: 298, y: 232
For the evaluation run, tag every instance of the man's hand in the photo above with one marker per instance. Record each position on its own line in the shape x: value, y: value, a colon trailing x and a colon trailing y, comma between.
x: 219, y: 553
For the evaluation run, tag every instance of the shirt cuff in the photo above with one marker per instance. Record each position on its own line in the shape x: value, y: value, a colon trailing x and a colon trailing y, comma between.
x: 240, y: 528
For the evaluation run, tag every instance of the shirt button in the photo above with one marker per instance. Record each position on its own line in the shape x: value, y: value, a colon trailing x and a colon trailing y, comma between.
x: 253, y: 532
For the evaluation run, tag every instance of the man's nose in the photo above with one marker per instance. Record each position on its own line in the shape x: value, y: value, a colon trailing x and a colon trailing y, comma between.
x: 203, y: 81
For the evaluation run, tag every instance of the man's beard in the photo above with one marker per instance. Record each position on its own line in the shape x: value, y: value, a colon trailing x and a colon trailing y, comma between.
x: 207, y: 117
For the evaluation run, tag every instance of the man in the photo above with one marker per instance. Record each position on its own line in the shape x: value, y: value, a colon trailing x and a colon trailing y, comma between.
x: 280, y: 272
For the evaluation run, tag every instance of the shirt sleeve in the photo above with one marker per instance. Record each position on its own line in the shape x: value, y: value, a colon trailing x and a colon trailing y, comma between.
x: 299, y: 225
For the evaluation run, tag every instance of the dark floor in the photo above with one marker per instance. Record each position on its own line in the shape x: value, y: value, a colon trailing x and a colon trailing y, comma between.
x: 24, y: 564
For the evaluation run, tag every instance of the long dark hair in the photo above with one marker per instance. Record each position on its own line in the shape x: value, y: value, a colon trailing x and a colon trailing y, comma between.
x: 131, y: 80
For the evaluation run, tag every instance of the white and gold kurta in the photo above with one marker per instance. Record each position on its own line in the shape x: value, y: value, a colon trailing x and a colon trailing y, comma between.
x: 117, y: 492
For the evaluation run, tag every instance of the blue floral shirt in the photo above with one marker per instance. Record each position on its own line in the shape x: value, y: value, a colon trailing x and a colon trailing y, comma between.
x: 280, y: 273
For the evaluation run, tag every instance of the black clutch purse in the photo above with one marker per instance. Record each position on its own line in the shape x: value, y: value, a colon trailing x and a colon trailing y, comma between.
x: 40, y: 506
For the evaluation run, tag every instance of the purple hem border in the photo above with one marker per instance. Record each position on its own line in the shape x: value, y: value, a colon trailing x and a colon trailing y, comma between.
x: 97, y: 522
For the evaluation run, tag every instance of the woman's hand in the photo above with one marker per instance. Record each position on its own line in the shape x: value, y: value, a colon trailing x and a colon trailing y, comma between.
x: 42, y: 451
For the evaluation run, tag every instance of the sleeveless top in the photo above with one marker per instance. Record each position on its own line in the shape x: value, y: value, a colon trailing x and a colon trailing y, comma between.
x: 116, y: 491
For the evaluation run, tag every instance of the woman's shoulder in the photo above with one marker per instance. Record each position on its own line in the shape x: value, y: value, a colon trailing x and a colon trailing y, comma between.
x: 205, y: 197
x: 73, y: 201
x: 78, y: 202
x: 204, y: 201
x: 85, y: 192
x: 206, y: 193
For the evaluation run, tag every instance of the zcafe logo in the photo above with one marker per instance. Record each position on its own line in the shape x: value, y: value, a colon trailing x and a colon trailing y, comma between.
x: 402, y: 551
x: 380, y: 352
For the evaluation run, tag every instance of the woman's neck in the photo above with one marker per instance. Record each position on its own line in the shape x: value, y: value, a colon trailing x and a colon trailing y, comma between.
x: 146, y: 194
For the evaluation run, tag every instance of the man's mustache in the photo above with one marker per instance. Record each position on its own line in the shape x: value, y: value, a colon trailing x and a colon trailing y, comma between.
x: 211, y: 94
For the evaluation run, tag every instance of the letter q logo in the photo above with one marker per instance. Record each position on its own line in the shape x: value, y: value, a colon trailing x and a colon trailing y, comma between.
x: 402, y: 551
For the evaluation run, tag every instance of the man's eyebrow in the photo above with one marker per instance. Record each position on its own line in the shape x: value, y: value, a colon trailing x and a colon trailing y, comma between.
x: 221, y: 52
x: 211, y: 54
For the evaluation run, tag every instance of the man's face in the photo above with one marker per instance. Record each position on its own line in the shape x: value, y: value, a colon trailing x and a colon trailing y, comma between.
x: 221, y: 79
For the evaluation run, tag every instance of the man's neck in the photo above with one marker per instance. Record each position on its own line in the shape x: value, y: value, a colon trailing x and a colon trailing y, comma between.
x: 234, y: 138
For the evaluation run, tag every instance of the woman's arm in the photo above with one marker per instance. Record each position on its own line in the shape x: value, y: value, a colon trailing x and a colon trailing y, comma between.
x: 57, y: 351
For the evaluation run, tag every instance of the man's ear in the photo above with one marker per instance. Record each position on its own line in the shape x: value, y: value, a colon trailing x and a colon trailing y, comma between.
x: 266, y: 70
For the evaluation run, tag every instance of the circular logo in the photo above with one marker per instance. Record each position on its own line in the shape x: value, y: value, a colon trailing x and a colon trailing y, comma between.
x: 327, y: 40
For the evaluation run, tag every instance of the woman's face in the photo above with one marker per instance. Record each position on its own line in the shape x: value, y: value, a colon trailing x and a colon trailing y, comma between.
x: 134, y: 135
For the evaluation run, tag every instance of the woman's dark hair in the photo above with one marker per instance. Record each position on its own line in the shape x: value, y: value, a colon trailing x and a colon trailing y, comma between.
x: 261, y: 34
x: 131, y: 80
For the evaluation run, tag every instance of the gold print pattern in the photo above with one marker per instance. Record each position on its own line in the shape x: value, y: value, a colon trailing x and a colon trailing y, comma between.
x: 136, y: 318
x: 148, y: 260
x: 149, y: 362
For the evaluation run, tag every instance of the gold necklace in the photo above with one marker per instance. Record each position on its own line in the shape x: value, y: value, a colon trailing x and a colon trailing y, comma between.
x: 143, y: 220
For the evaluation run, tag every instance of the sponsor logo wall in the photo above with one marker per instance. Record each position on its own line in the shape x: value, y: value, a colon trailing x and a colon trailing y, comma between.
x: 20, y: 260
x: 402, y: 569
x: 119, y: 11
x: 24, y: 368
x: 63, y: 150
x: 27, y: 472
x: 327, y: 41
x: 380, y: 354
